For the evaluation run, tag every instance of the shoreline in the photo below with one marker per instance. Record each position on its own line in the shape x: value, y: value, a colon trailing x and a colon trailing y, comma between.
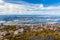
x: 31, y: 24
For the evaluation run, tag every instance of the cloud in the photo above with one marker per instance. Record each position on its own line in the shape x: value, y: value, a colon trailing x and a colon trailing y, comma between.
x: 9, y: 8
x: 27, y: 9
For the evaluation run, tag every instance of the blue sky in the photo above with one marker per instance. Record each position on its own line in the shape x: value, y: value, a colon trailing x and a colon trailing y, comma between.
x: 30, y: 7
x: 44, y: 2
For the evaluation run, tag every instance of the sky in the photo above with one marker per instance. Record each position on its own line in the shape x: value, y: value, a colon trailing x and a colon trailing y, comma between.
x: 30, y: 7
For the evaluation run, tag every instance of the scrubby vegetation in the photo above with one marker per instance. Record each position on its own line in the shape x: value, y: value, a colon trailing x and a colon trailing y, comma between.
x: 13, y: 32
x: 34, y: 35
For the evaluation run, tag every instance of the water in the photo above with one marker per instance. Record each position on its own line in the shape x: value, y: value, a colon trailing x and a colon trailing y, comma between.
x: 28, y: 19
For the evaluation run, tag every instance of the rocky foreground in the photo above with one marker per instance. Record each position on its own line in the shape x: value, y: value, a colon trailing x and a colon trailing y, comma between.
x: 42, y: 31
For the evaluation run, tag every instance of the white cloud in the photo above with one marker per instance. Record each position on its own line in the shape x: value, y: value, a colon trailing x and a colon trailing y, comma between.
x: 52, y: 8
x: 30, y: 9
